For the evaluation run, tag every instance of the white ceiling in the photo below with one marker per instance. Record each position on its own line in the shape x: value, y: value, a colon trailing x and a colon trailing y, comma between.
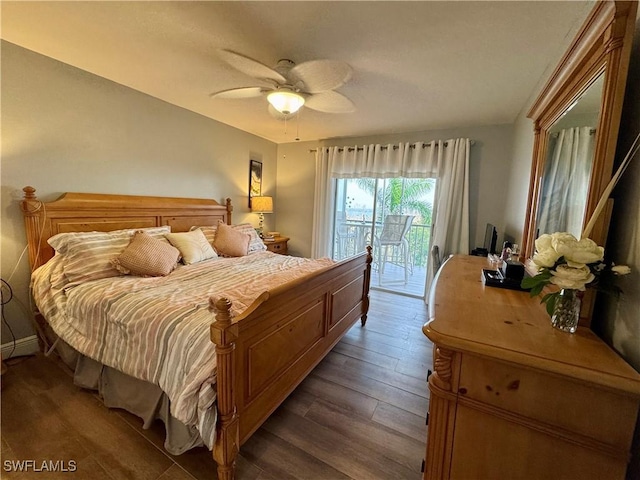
x: 420, y: 65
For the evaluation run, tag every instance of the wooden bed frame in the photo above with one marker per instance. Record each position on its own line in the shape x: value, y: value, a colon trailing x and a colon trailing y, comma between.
x: 263, y: 353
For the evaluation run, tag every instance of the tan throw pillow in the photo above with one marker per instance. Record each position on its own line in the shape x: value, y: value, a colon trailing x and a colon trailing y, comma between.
x: 255, y: 244
x: 230, y: 242
x: 193, y: 246
x: 147, y: 256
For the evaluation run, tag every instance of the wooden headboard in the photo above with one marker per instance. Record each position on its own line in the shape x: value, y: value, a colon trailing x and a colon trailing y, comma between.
x: 85, y: 212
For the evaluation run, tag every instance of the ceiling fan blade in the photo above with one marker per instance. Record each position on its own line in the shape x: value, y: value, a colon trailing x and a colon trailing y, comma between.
x: 244, y: 92
x: 321, y: 75
x: 251, y: 67
x: 330, y: 102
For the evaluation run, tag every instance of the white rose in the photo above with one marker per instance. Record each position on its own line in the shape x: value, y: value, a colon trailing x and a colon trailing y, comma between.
x: 564, y: 243
x: 571, y: 277
x: 584, y: 251
x: 543, y: 243
x: 621, y: 269
x: 546, y: 258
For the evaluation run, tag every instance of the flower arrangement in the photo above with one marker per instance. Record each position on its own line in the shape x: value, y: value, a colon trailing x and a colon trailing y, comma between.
x: 571, y: 264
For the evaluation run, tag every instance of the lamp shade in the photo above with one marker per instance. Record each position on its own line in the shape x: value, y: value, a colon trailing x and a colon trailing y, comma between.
x: 286, y: 101
x: 262, y: 204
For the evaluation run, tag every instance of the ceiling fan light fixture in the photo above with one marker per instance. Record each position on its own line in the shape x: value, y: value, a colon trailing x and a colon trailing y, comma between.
x: 286, y: 101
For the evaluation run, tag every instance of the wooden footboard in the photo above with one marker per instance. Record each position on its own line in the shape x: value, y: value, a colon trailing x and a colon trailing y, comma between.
x: 264, y: 353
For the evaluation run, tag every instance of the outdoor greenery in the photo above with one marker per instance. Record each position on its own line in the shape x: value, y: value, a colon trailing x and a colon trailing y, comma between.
x: 396, y: 196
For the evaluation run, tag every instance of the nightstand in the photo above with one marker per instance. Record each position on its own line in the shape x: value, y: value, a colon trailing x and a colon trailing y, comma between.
x: 278, y: 245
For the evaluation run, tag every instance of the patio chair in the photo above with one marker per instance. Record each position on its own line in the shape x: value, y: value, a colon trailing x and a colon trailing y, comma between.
x: 393, y: 246
x: 435, y: 256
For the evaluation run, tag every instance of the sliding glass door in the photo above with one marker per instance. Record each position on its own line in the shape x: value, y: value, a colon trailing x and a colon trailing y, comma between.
x: 394, y: 215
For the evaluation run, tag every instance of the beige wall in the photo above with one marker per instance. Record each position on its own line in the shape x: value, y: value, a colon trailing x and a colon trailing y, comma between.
x: 488, y: 171
x: 64, y: 129
x: 519, y: 173
x: 295, y: 182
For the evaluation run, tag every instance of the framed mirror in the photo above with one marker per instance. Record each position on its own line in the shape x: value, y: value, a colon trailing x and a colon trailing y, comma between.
x: 568, y: 163
x: 576, y: 119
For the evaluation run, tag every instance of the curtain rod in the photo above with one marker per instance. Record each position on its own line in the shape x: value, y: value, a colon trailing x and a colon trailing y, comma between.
x: 395, y: 147
x: 556, y: 134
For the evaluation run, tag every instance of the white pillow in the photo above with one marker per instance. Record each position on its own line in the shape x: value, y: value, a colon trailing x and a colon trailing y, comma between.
x: 193, y: 246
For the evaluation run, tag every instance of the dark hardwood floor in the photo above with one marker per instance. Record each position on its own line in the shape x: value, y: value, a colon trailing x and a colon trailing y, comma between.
x: 359, y: 415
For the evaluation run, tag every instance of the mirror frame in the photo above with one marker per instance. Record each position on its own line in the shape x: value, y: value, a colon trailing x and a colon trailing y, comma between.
x: 602, y: 46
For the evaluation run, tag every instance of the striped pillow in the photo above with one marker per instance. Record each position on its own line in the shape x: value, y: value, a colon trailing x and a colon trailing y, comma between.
x: 209, y: 232
x: 147, y: 256
x: 87, y: 255
x: 255, y: 244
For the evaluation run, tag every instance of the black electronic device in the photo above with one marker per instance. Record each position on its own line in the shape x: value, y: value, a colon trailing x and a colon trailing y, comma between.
x: 490, y: 238
x: 509, y: 275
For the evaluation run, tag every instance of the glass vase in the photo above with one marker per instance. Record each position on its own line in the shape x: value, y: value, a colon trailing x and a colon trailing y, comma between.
x: 566, y: 312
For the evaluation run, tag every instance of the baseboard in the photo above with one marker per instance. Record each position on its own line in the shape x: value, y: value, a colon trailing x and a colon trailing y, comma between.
x: 23, y: 346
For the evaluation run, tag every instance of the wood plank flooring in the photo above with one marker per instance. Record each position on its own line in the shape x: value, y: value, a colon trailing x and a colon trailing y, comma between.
x: 359, y: 415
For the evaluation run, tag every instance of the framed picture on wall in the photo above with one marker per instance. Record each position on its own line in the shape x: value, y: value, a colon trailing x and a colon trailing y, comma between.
x: 255, y: 179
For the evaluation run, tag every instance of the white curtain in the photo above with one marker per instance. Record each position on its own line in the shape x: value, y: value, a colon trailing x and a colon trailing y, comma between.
x: 323, y: 205
x: 412, y: 160
x: 566, y: 180
x: 409, y: 160
x: 448, y: 162
x: 451, y: 212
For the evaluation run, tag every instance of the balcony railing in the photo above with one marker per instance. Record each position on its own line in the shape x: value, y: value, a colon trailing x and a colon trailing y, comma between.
x: 353, y: 237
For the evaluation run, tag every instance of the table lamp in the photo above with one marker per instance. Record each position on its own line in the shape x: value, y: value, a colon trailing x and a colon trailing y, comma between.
x: 261, y: 205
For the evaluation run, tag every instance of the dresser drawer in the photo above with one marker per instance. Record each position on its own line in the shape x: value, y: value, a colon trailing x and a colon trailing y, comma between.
x: 553, y: 400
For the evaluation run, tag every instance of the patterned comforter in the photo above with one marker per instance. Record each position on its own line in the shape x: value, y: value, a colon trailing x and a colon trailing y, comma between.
x: 157, y: 329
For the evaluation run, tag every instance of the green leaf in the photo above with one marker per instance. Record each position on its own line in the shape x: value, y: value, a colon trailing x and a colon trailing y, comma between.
x: 536, y: 289
x: 551, y: 299
x: 547, y: 297
x: 529, y: 282
x: 550, y: 308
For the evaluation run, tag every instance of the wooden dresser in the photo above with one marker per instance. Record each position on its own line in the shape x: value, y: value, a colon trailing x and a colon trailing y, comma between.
x: 514, y: 398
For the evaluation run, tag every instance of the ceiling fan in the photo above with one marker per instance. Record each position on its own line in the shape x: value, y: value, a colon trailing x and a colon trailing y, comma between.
x: 288, y: 87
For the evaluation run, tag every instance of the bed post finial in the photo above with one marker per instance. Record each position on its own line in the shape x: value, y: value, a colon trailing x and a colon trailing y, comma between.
x: 30, y: 204
x: 367, y: 282
x: 29, y: 193
x: 224, y: 334
x: 229, y: 210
